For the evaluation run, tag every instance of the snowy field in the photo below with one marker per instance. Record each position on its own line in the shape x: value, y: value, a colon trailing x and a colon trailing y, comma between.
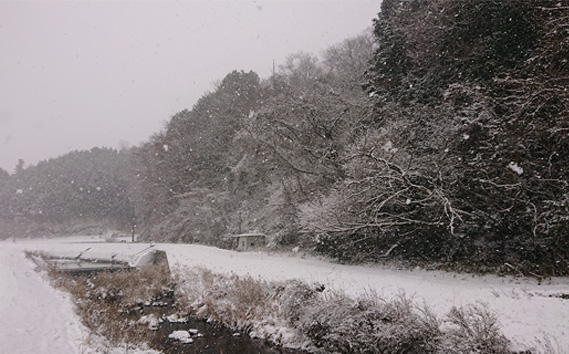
x: 36, y: 318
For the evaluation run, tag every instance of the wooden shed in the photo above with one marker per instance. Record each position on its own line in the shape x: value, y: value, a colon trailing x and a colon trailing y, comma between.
x: 249, y: 241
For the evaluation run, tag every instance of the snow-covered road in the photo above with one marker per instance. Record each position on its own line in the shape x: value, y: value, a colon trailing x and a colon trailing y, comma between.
x: 34, y: 317
x: 527, y: 310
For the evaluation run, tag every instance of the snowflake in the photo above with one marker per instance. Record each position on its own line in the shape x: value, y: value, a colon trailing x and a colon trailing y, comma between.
x: 516, y: 168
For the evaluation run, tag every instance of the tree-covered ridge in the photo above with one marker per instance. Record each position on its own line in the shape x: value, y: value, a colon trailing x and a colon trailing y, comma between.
x: 79, y: 187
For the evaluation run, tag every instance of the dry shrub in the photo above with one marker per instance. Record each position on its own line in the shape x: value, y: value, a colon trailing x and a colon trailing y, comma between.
x: 298, y: 314
x: 292, y: 313
x: 236, y: 301
x: 132, y: 287
x: 268, y: 310
x: 473, y: 329
x: 294, y: 297
x: 370, y: 325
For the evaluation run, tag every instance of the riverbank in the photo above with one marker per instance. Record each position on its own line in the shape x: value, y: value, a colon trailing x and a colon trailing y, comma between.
x: 528, y: 311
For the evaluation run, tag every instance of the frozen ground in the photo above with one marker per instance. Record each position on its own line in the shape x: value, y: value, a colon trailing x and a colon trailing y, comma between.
x: 528, y: 311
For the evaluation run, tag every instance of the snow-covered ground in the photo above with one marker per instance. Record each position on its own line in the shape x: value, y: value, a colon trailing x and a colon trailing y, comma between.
x: 35, y: 317
x: 528, y: 311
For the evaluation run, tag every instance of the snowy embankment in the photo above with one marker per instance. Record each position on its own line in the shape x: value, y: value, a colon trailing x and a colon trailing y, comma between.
x: 528, y: 311
x: 34, y: 317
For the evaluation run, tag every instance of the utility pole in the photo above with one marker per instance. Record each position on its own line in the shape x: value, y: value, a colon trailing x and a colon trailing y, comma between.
x: 273, y: 75
x: 133, y: 222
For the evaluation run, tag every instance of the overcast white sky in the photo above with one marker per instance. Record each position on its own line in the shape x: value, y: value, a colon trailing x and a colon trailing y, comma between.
x: 74, y: 75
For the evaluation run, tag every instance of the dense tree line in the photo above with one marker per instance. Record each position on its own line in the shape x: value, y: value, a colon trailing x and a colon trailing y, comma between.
x: 250, y: 152
x: 78, y: 190
x: 465, y: 160
x: 439, y: 138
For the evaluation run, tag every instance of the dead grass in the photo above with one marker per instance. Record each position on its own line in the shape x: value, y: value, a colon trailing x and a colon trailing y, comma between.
x: 234, y: 301
x: 107, y: 302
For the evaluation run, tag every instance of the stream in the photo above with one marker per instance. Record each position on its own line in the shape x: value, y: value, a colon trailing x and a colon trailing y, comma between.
x: 205, y: 337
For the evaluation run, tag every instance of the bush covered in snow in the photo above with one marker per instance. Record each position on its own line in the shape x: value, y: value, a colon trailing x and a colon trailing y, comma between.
x: 473, y: 327
x: 300, y: 315
x: 371, y: 325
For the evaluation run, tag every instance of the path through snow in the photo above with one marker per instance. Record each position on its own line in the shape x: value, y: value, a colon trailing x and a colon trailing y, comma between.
x: 34, y: 317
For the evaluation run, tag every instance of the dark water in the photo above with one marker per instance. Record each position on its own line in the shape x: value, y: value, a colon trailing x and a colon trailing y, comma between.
x: 212, y: 338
